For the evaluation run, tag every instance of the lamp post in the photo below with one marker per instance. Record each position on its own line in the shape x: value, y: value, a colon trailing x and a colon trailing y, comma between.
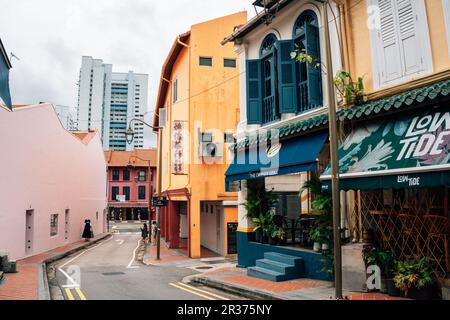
x: 334, y: 158
x: 130, y: 136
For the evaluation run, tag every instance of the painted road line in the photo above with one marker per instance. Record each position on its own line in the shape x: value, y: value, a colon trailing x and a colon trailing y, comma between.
x: 202, y: 291
x: 80, y: 294
x: 69, y: 294
x: 69, y: 261
x: 74, y: 284
x: 129, y: 266
x: 191, y: 291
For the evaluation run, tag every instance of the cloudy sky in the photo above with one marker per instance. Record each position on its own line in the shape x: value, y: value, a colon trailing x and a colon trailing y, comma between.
x: 50, y: 36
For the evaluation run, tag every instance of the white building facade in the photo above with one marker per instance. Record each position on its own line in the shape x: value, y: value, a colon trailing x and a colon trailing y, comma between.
x: 67, y: 118
x: 108, y: 101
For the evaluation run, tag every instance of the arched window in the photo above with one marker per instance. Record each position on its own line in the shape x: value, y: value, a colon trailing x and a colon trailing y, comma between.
x: 267, y: 44
x: 268, y: 61
x: 309, y: 82
x: 307, y: 17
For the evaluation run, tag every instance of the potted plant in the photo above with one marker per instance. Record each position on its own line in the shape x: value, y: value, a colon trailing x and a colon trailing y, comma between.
x: 351, y: 92
x: 415, y: 279
x: 385, y: 260
x: 317, y: 237
x: 259, y: 222
x: 274, y: 235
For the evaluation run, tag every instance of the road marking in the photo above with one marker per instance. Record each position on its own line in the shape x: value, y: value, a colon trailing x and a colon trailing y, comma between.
x: 67, y: 262
x: 191, y: 291
x: 129, y: 266
x: 69, y: 294
x: 74, y: 284
x: 80, y: 294
x: 202, y: 291
x: 120, y: 242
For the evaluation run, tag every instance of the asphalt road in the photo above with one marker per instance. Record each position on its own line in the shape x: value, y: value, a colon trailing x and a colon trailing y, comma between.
x: 109, y: 271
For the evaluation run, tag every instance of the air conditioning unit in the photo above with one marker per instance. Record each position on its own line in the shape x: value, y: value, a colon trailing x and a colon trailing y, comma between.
x: 211, y: 149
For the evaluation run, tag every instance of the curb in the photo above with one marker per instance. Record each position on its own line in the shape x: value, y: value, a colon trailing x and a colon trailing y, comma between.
x: 49, y: 291
x: 253, y: 294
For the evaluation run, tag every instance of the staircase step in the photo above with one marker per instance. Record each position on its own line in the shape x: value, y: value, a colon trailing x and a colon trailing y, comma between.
x: 284, y: 258
x: 274, y: 265
x: 266, y: 274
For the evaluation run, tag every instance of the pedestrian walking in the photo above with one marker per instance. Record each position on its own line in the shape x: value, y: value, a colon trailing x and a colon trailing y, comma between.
x: 144, y: 232
x: 87, y: 234
x: 154, y: 231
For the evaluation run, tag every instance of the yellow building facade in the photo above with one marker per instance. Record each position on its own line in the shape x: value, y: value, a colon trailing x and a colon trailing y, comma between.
x: 198, y: 109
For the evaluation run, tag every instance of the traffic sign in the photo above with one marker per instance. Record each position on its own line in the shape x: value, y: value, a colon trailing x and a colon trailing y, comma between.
x: 160, y: 202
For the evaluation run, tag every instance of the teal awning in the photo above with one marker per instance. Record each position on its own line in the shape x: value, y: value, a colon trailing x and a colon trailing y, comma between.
x: 290, y: 156
x: 5, y: 65
x: 408, y: 152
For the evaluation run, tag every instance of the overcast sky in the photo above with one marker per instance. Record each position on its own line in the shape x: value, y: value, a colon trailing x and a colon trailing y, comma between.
x: 50, y: 36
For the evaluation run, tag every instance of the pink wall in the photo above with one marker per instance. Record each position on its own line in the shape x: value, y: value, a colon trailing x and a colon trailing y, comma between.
x: 45, y: 168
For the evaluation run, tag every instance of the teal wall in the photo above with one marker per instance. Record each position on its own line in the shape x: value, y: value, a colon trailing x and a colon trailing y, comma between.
x: 249, y: 252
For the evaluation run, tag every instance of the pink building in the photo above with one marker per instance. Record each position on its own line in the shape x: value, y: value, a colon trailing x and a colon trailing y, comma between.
x: 129, y: 183
x: 51, y: 181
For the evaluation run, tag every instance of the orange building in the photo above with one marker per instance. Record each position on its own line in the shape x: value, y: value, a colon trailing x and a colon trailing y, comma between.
x: 198, y: 108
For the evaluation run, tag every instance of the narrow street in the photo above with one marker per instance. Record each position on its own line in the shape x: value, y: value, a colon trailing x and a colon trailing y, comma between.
x: 109, y: 271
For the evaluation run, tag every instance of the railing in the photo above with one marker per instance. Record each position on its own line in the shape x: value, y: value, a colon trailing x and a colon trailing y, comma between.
x: 270, y: 113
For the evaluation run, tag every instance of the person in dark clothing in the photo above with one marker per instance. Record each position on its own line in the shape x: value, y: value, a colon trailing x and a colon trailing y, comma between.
x: 87, y: 234
x: 144, y: 232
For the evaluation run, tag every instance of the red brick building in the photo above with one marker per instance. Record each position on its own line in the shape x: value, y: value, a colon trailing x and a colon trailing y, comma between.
x: 130, y: 184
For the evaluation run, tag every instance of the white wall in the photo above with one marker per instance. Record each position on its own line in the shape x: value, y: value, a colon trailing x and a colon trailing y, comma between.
x: 47, y: 169
x: 211, y: 232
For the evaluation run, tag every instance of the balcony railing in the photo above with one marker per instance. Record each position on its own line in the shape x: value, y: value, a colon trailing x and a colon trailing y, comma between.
x: 270, y: 113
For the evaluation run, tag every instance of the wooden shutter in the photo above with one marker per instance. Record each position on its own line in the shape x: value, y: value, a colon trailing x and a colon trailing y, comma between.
x: 254, y: 91
x: 287, y: 94
x: 314, y: 77
x: 389, y: 60
x: 409, y: 37
x: 401, y: 47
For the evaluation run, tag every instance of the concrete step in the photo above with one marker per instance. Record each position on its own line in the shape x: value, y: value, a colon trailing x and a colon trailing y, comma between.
x: 284, y: 258
x: 266, y: 274
x: 1, y: 276
x: 274, y: 265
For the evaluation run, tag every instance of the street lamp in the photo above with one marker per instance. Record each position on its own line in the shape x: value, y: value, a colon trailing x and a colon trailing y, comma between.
x: 130, y: 137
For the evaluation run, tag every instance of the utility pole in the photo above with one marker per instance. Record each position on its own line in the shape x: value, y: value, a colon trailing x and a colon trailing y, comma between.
x: 158, y: 209
x: 334, y: 158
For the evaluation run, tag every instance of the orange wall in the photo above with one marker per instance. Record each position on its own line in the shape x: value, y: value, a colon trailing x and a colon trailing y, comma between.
x: 209, y: 95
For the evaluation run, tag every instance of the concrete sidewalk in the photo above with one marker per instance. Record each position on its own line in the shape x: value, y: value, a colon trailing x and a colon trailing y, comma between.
x: 30, y: 282
x: 235, y: 280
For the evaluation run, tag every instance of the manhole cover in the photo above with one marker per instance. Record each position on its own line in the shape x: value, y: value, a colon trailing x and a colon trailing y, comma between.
x: 113, y: 273
x: 203, y: 268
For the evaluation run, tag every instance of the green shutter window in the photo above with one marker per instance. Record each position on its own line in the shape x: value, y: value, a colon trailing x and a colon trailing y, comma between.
x: 314, y: 76
x: 287, y: 95
x: 254, y: 107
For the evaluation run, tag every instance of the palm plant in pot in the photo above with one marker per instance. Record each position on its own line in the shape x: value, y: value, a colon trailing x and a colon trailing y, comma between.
x: 415, y: 279
x: 260, y: 223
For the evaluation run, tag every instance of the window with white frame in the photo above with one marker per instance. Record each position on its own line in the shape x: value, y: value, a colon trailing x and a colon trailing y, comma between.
x: 446, y: 5
x: 400, y: 40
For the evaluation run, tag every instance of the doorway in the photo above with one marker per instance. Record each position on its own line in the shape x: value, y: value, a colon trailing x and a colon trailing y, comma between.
x: 29, y: 230
x: 66, y: 225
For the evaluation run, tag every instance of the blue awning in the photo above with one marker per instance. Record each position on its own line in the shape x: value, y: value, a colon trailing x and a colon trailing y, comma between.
x: 290, y: 156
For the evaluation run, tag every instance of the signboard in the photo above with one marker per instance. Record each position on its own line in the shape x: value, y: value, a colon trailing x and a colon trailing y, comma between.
x: 121, y: 198
x: 178, y: 147
x: 410, y: 142
x: 160, y: 202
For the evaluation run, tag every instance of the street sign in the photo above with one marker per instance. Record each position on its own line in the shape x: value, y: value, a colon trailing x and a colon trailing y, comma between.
x: 160, y: 202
